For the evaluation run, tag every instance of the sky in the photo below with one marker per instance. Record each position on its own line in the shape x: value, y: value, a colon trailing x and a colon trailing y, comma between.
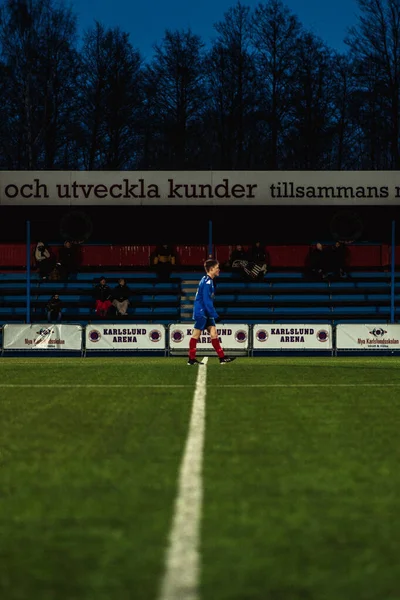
x: 147, y: 20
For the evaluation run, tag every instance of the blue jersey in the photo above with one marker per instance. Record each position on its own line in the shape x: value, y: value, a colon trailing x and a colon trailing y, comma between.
x: 204, y: 300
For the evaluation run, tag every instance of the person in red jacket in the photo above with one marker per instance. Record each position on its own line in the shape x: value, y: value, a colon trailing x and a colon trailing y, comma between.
x: 103, y: 297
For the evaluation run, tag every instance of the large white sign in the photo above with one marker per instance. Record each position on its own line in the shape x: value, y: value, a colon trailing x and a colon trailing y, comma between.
x: 41, y: 336
x: 111, y: 336
x: 231, y: 337
x: 367, y: 337
x: 293, y: 337
x: 74, y: 188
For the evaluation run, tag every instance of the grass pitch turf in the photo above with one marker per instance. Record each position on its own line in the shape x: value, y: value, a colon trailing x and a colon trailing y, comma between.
x: 301, y: 479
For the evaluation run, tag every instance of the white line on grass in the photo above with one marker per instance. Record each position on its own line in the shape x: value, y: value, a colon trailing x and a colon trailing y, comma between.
x: 89, y: 385
x: 182, y: 564
x: 163, y: 386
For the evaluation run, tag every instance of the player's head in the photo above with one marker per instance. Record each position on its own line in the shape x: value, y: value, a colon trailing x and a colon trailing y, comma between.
x: 211, y: 267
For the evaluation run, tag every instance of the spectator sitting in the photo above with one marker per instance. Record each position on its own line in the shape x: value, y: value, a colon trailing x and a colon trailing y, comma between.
x: 339, y: 255
x: 121, y: 295
x: 53, y: 308
x: 239, y: 253
x: 102, y: 294
x: 164, y: 261
x: 68, y: 259
x: 238, y: 260
x: 317, y: 263
x: 258, y: 262
x: 44, y: 260
x: 55, y: 274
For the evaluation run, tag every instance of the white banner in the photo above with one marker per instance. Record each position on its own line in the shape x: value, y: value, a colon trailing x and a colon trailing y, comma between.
x: 75, y: 188
x: 112, y: 336
x: 292, y: 337
x: 367, y: 337
x: 231, y: 337
x: 42, y: 337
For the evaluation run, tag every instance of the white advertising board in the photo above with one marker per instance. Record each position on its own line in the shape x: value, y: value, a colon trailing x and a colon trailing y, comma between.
x: 42, y: 336
x: 287, y: 336
x: 367, y: 337
x: 129, y: 336
x: 232, y: 337
x: 185, y: 188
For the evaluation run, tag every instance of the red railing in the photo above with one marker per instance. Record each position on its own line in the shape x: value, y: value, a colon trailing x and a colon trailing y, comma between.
x: 366, y: 256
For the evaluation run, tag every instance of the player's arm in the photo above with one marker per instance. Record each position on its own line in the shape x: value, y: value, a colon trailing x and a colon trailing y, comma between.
x: 208, y: 302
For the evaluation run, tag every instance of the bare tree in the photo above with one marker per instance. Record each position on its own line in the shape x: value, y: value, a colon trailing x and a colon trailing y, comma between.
x: 275, y: 33
x: 110, y: 97
x: 232, y: 90
x: 375, y: 48
x: 344, y: 144
x: 37, y: 43
x: 309, y: 137
x: 175, y: 100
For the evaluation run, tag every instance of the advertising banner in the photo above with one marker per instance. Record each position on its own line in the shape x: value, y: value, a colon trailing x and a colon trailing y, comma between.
x: 287, y: 336
x: 232, y: 337
x: 185, y: 188
x: 367, y: 337
x: 114, y: 336
x: 42, y: 337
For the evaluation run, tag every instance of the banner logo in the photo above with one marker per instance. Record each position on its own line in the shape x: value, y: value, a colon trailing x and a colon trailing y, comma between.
x: 322, y: 335
x: 241, y: 336
x: 262, y: 335
x: 177, y: 335
x: 94, y: 335
x: 44, y: 334
x: 155, y: 335
x: 378, y: 332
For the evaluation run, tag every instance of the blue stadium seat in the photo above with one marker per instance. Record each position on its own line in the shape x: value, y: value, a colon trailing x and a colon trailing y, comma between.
x: 141, y: 310
x: 302, y: 297
x: 165, y: 310
x: 239, y: 310
x: 359, y: 310
x: 301, y: 285
x: 360, y: 297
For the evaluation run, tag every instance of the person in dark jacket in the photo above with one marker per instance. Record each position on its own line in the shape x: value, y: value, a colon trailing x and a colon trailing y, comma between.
x: 339, y: 257
x: 68, y: 259
x: 258, y: 262
x: 53, y: 309
x: 318, y: 261
x: 121, y: 295
x: 164, y: 261
x: 238, y: 259
x: 103, y: 296
x: 238, y: 254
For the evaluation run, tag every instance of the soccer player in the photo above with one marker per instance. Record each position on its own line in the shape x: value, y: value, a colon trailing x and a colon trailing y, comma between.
x: 204, y: 314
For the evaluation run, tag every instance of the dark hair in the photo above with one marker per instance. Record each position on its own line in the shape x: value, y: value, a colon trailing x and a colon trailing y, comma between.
x: 210, y: 263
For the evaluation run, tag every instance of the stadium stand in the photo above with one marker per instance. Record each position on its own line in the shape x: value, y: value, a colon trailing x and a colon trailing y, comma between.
x: 285, y: 294
x: 288, y: 296
x: 150, y: 301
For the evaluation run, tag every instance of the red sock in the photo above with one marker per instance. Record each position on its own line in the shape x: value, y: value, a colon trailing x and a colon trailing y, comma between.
x: 217, y: 347
x: 192, y: 348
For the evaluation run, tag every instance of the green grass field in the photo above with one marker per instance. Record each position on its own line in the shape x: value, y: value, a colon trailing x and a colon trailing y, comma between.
x: 301, y: 478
